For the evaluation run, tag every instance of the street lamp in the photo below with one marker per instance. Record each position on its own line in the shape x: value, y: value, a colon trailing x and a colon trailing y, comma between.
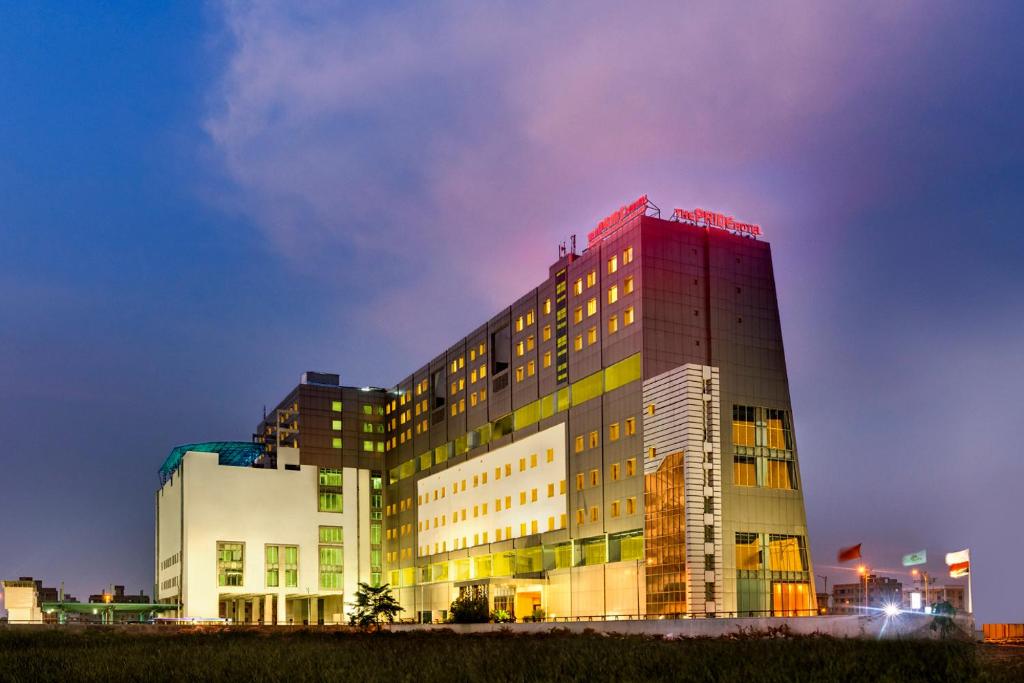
x: 863, y: 571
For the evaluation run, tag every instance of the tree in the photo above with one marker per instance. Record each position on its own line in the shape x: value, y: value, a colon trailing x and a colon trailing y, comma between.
x: 470, y: 607
x: 374, y: 605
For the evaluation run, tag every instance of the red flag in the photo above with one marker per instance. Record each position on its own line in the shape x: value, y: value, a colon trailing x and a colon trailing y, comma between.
x: 851, y: 553
x: 959, y: 569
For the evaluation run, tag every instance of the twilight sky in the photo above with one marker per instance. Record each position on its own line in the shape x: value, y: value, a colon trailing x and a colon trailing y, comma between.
x: 198, y: 202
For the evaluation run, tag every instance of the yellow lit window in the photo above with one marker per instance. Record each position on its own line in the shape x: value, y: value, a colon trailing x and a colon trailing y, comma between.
x: 508, y: 469
x: 613, y: 294
x: 483, y: 371
x: 592, y: 336
x: 652, y: 452
x: 577, y: 287
x: 630, y: 426
x: 551, y: 490
x: 497, y: 534
x: 627, y: 316
x: 508, y: 502
x: 591, y: 278
x: 476, y: 480
x: 547, y: 359
x: 592, y: 306
x: 613, y: 264
x: 627, y: 255
x: 529, y: 317
x: 627, y: 285
x: 533, y: 459
x: 613, y: 324
x: 497, y: 504
x: 561, y: 521
x: 744, y: 472
x: 631, y: 467
x: 520, y: 347
x: 519, y: 324
x: 595, y: 477
x: 615, y: 471
x: 462, y: 383
x: 519, y: 374
x: 533, y: 526
x: 595, y: 439
x: 579, y: 481
x: 533, y: 495
x: 577, y: 343
x: 580, y: 513
x: 531, y: 368
x: 551, y: 455
x: 577, y: 314
x: 650, y: 409
x: 547, y: 306
x: 594, y: 514
x: 483, y: 478
x: 613, y: 431
x: 615, y: 508
x: 561, y: 486
x: 472, y: 354
x: 455, y: 365
x: 455, y: 409
x: 522, y: 464
x: 476, y: 510
x: 483, y: 348
x: 529, y: 343
x: 545, y: 333
x: 579, y: 444
x: 472, y: 399
x: 455, y: 387
x: 551, y: 523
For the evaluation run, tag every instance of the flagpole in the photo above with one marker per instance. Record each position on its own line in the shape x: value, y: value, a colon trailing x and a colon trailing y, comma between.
x: 970, y: 601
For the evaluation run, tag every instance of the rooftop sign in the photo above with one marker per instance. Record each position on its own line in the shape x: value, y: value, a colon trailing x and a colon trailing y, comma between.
x: 711, y: 219
x: 619, y: 215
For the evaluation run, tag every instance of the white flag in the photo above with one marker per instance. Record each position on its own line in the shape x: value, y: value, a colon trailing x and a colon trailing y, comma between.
x: 959, y: 556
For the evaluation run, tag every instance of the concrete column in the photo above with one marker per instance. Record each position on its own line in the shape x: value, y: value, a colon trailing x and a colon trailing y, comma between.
x: 256, y: 603
x: 268, y: 610
x: 282, y: 609
x: 311, y: 610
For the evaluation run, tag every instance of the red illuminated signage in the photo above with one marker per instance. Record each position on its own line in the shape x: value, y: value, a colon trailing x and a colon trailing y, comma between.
x: 622, y: 213
x: 705, y: 218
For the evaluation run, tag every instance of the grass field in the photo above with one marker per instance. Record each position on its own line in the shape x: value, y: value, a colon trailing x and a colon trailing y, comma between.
x: 255, y: 655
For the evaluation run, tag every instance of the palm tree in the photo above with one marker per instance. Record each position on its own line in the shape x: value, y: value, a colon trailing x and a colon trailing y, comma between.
x: 374, y: 605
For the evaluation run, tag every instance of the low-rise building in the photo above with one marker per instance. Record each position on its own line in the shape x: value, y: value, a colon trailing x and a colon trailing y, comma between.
x: 848, y: 598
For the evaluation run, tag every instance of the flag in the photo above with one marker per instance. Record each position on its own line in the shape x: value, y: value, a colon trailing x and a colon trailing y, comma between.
x: 851, y: 553
x: 920, y: 557
x: 959, y: 556
x: 959, y: 563
x: 959, y: 570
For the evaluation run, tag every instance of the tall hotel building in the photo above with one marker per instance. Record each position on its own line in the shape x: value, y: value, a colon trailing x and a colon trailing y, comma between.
x: 617, y: 442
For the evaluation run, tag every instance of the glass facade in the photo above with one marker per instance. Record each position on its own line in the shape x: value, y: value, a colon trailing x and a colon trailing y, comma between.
x: 665, y: 538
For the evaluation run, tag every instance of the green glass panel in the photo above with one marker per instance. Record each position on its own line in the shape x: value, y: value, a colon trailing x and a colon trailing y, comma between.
x: 586, y: 389
x: 622, y: 373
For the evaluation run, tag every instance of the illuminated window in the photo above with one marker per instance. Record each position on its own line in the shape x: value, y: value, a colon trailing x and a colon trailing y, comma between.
x: 472, y: 354
x: 631, y: 505
x: 744, y: 471
x: 595, y: 477
x: 594, y: 514
x: 579, y: 481
x: 580, y: 516
x: 579, y: 444
x: 336, y: 406
x: 577, y: 314
x: 615, y: 508
x: 652, y: 452
x: 627, y: 255
x: 591, y: 278
x: 531, y: 368
x: 522, y: 464
x: 533, y: 460
x: 561, y: 486
x: 547, y: 359
x: 551, y: 455
x: 545, y: 333
x: 615, y: 471
x: 627, y: 285
x: 613, y: 264
x: 743, y: 425
x: 508, y: 469
x: 519, y: 324
x: 595, y: 439
x: 592, y: 336
x: 630, y: 426
x: 627, y: 316
x: 529, y: 343
x: 472, y: 379
x: 547, y: 307
x: 577, y: 287
x: 780, y: 474
x: 533, y: 526
x: 551, y: 490
x: 230, y: 563
x: 519, y: 374
x: 483, y: 348
x: 520, y: 347
x: 613, y: 294
x: 577, y: 343
x: 336, y: 442
x: 336, y: 425
x: 631, y: 467
x: 592, y: 306
x: 529, y: 317
x: 613, y: 324
x: 533, y: 495
x: 650, y: 409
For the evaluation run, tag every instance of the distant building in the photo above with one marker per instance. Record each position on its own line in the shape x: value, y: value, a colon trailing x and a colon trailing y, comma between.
x: 953, y: 594
x: 823, y: 606
x: 118, y: 595
x: 23, y: 599
x: 848, y: 598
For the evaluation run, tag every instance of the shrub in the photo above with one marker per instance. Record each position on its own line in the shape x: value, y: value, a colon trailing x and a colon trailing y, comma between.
x: 469, y: 608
